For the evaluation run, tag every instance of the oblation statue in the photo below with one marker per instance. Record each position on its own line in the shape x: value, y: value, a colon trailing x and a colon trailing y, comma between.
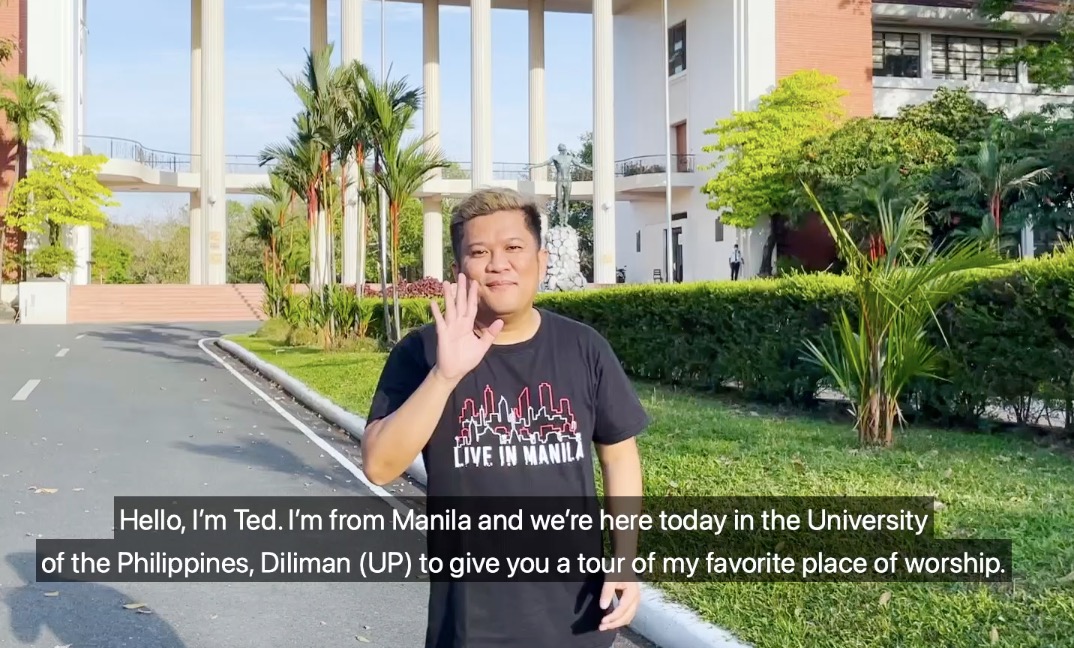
x: 564, y: 261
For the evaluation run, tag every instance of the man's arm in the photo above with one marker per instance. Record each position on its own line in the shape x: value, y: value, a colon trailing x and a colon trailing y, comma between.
x: 620, y: 464
x: 407, y: 405
x: 392, y: 443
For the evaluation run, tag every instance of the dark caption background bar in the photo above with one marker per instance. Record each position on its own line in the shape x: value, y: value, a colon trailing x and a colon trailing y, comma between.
x: 387, y: 554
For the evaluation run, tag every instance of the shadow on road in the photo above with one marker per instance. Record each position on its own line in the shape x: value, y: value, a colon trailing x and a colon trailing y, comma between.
x: 260, y: 453
x: 174, y: 342
x: 84, y: 614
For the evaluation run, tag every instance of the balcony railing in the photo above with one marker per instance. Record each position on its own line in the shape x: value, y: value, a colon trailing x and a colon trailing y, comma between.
x: 125, y: 149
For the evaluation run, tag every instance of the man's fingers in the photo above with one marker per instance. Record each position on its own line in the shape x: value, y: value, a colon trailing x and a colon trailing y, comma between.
x: 624, y: 612
x: 461, y: 296
x: 449, y: 301
x: 471, y: 298
x: 491, y: 332
x: 437, y: 316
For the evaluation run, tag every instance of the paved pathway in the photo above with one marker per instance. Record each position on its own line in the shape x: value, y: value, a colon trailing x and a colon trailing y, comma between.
x: 96, y: 412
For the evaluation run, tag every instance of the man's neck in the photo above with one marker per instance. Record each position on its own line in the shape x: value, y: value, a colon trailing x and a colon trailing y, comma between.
x: 517, y: 328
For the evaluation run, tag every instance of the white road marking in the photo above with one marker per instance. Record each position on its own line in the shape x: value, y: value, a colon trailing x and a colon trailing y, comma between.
x: 61, y: 353
x: 24, y: 393
x: 304, y: 429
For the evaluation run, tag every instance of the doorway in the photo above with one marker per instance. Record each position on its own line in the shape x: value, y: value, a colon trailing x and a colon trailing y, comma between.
x: 681, y: 148
x: 676, y: 253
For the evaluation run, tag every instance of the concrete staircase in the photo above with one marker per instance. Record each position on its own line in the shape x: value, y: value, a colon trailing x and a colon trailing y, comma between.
x: 165, y: 303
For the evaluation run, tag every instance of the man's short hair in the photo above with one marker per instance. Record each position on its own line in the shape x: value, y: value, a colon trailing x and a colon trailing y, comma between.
x: 489, y: 201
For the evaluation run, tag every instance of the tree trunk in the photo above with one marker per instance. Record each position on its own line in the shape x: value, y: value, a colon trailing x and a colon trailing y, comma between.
x: 775, y: 233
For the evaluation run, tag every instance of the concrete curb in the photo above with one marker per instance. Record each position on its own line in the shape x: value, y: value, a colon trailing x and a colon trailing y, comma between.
x: 665, y: 623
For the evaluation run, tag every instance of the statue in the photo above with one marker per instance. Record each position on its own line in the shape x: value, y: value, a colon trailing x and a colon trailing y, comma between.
x: 564, y: 262
x: 564, y: 164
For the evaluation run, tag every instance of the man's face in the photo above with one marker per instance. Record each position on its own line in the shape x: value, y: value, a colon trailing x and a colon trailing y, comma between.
x: 506, y: 261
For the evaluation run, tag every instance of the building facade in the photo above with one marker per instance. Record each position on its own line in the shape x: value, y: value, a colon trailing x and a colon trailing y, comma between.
x: 724, y: 54
x: 720, y: 56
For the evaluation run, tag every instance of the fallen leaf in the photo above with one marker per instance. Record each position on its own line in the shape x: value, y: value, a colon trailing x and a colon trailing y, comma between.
x: 1069, y: 578
x: 134, y: 606
x: 52, y: 593
x: 47, y: 491
x: 885, y: 598
x: 994, y: 635
x: 78, y: 489
x: 64, y: 646
x: 361, y: 638
x: 145, y: 611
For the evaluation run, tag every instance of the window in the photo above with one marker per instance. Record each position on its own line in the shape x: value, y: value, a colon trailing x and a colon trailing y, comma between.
x: 677, y: 49
x: 637, y: 241
x: 973, y: 59
x: 1040, y: 44
x: 896, y: 54
x: 719, y: 230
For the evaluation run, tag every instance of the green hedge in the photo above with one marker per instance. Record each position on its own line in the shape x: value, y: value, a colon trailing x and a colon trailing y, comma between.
x: 1011, y: 337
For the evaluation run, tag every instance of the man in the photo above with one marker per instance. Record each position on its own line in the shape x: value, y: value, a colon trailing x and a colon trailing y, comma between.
x: 492, y: 356
x: 736, y: 262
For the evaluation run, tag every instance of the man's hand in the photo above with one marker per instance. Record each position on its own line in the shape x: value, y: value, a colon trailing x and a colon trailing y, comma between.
x: 629, y: 594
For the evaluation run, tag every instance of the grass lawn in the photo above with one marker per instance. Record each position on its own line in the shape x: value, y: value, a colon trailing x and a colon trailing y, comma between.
x: 993, y: 486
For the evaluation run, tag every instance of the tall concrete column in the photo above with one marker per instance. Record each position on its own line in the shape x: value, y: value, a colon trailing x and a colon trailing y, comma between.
x: 318, y: 24
x: 214, y: 191
x: 432, y: 247
x: 481, y: 92
x: 197, y: 230
x: 603, y: 145
x: 321, y: 264
x: 353, y: 233
x: 538, y: 135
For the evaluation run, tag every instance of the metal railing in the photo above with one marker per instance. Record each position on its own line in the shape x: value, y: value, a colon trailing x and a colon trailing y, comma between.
x: 126, y: 149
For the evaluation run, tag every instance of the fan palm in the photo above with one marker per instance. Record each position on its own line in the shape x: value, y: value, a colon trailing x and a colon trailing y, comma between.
x: 872, y: 360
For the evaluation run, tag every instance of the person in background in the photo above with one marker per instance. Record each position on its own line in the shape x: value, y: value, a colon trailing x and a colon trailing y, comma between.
x: 445, y: 384
x: 736, y: 262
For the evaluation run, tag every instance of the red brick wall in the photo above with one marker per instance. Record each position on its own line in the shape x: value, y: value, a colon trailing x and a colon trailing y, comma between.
x: 832, y: 36
x: 12, y: 25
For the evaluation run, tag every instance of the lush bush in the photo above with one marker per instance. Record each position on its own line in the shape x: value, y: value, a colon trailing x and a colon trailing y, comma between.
x: 1009, y: 339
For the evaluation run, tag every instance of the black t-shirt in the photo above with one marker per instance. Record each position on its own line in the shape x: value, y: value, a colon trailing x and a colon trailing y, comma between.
x: 521, y: 424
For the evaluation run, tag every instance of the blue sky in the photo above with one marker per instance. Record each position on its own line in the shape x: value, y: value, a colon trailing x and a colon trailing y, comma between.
x: 138, y: 75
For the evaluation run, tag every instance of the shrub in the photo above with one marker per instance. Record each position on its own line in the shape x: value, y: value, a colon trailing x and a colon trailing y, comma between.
x: 427, y: 287
x: 1009, y: 338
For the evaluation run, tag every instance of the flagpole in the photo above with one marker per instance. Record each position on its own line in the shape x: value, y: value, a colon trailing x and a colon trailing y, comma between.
x: 382, y: 200
x: 667, y: 150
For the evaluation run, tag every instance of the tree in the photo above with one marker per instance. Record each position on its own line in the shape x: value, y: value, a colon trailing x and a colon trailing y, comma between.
x: 1050, y: 64
x: 60, y: 190
x: 403, y: 167
x: 873, y: 359
x: 759, y: 150
x: 25, y: 103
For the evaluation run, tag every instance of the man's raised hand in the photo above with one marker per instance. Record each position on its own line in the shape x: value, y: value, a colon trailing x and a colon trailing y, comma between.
x: 459, y: 346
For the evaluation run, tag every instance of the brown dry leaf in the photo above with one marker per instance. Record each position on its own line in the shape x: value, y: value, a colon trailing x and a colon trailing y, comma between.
x: 52, y: 593
x: 885, y: 598
x: 134, y: 606
x: 994, y: 635
x: 47, y: 491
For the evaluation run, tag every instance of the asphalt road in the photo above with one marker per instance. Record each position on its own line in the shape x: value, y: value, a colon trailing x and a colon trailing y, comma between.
x: 90, y: 413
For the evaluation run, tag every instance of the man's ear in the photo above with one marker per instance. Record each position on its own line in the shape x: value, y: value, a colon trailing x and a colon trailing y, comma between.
x: 542, y: 261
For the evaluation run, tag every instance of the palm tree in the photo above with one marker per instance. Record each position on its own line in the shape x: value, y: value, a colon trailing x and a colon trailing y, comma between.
x: 873, y: 360
x: 25, y: 103
x: 272, y: 220
x: 994, y: 176
x: 403, y: 166
x: 318, y: 129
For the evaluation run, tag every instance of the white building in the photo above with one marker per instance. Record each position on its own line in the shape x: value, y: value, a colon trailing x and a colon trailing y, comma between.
x: 722, y: 55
